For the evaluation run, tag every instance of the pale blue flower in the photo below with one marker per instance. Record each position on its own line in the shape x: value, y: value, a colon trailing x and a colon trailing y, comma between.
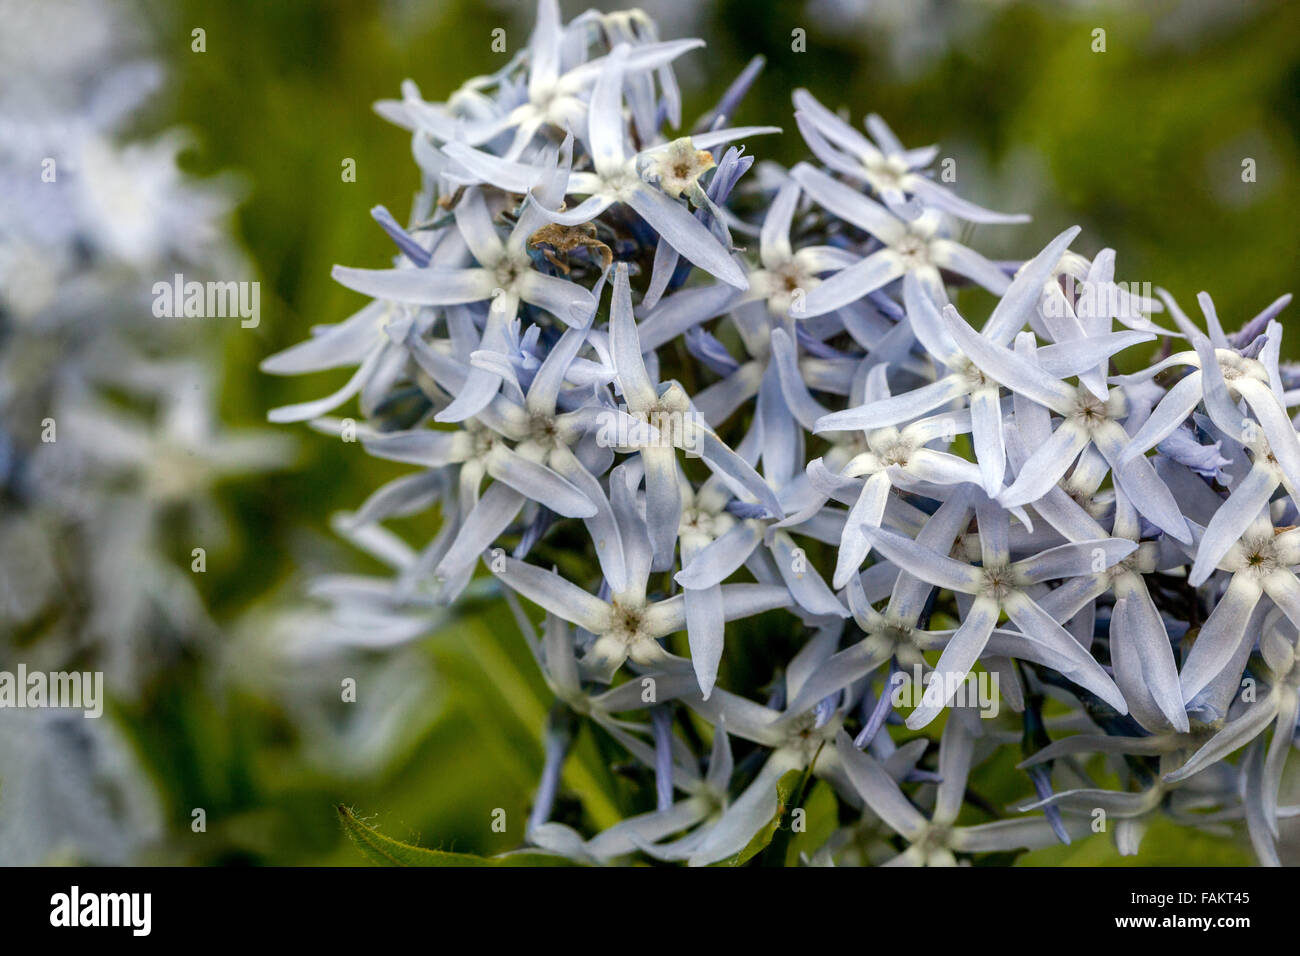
x: 920, y: 247
x: 1000, y: 585
x: 934, y: 840
x: 884, y: 165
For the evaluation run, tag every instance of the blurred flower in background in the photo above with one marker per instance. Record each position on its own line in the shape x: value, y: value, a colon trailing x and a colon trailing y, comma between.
x: 110, y: 442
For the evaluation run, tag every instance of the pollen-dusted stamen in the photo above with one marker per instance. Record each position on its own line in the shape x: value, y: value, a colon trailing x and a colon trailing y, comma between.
x: 1259, y: 555
x: 999, y: 581
x: 543, y: 430
x: 483, y: 438
x: 784, y: 284
x: 792, y: 278
x: 898, y: 452
x: 899, y: 638
x: 671, y: 416
x: 626, y: 620
x: 1089, y: 411
x: 806, y: 738
x: 678, y: 168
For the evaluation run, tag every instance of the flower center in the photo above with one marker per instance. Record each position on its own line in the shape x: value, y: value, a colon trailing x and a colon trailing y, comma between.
x: 897, y: 453
x: 700, y: 522
x: 626, y: 622
x: 784, y: 283
x: 914, y: 250
x: 1090, y: 411
x: 507, y: 273
x: 1259, y: 556
x: 806, y: 737
x: 935, y: 837
x: 678, y: 167
x: 998, y: 582
x: 886, y: 173
x: 484, y: 439
x: 670, y: 414
x: 542, y: 430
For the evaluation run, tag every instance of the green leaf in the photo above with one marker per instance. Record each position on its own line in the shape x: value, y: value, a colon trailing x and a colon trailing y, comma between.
x: 786, y: 789
x: 779, y: 851
x: 385, y: 851
x: 1164, y: 844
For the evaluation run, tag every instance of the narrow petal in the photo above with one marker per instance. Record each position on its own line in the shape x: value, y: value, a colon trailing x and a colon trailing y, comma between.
x: 956, y: 749
x: 686, y: 234
x: 802, y: 580
x: 552, y: 593
x: 957, y: 258
x: 867, y: 512
x: 897, y: 409
x: 602, y: 526
x: 418, y: 286
x: 986, y: 430
x: 567, y: 301
x: 421, y: 446
x: 1087, y: 673
x: 344, y: 344
x: 938, y: 569
x: 955, y: 662
x: 539, y: 483
x: 879, y: 791
x: 1008, y: 368
x: 705, y: 626
x: 305, y: 411
x: 633, y: 379
x: 1235, y: 734
x: 837, y: 672
x: 849, y: 204
x: 747, y: 814
x: 1139, y: 481
x: 1029, y: 833
x: 853, y: 283
x: 1220, y: 636
x: 488, y: 518
x: 1143, y: 659
x: 1230, y: 522
x: 937, y: 197
x: 1077, y: 558
x: 1179, y: 402
x: 663, y: 503
x: 720, y: 559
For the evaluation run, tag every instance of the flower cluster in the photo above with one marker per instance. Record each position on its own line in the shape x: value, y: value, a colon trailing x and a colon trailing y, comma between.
x: 656, y: 389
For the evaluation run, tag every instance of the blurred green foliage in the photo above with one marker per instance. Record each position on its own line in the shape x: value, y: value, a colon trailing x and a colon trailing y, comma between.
x: 1142, y: 145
